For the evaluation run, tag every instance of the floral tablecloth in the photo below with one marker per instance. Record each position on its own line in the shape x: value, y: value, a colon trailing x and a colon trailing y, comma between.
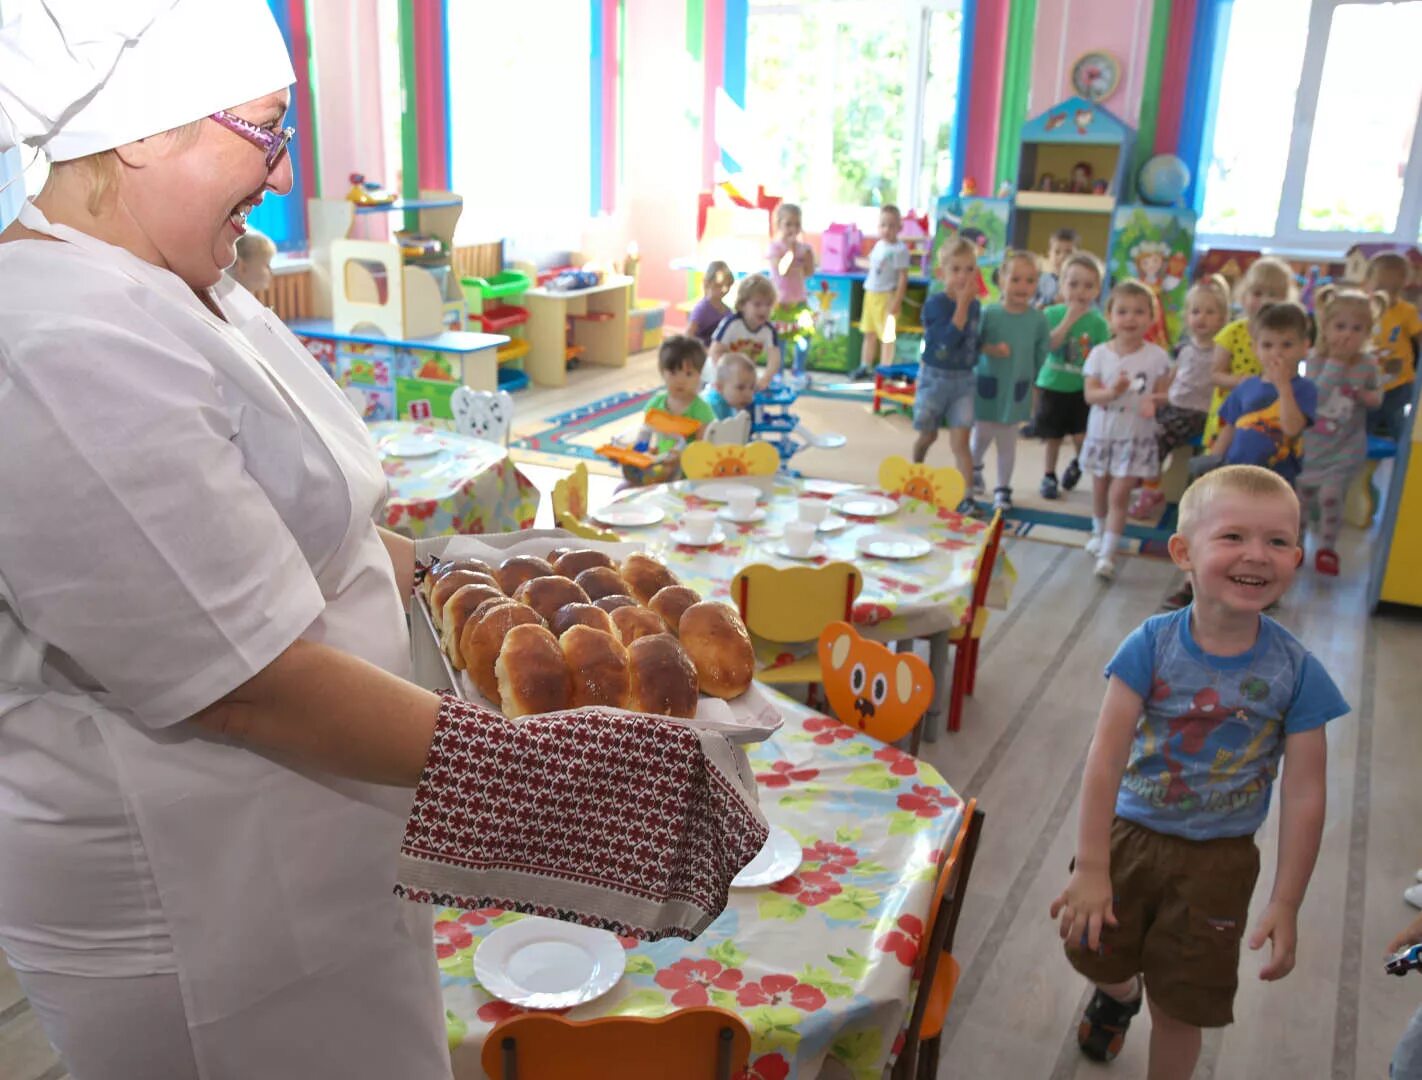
x: 901, y: 598
x: 468, y: 486
x: 820, y: 965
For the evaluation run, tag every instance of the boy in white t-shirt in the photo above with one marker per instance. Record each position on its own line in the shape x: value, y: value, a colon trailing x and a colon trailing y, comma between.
x: 748, y: 330
x: 884, y: 288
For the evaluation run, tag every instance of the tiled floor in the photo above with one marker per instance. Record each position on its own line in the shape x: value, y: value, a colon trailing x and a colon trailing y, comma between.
x: 1021, y: 749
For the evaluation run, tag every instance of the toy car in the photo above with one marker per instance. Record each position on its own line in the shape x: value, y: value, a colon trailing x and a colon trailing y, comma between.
x: 1409, y: 959
x: 419, y: 248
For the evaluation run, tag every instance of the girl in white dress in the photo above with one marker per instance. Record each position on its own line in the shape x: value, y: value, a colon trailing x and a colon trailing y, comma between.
x: 1125, y: 379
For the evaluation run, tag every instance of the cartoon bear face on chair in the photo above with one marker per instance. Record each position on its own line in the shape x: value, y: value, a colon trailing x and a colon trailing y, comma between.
x: 869, y: 686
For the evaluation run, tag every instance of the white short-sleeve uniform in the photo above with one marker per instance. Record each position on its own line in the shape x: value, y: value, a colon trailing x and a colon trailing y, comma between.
x: 184, y: 497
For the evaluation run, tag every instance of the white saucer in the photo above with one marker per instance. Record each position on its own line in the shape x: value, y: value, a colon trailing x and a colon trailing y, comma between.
x: 718, y: 536
x: 722, y: 490
x: 629, y: 516
x: 884, y: 544
x: 863, y: 504
x: 545, y: 964
x: 817, y: 550
x: 833, y: 524
x: 411, y: 446
x: 758, y: 514
x: 776, y: 861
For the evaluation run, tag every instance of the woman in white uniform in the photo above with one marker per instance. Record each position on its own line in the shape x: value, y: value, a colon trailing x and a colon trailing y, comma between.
x: 186, y: 507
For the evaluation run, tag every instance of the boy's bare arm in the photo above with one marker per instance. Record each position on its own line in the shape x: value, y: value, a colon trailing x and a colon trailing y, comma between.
x: 1302, y: 803
x: 1084, y: 907
x: 899, y: 292
x: 1223, y: 438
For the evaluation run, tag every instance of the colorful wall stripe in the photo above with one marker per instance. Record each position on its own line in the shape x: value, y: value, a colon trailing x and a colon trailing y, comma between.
x: 431, y: 94
x: 1150, y: 93
x: 713, y: 43
x: 983, y: 105
x: 733, y: 62
x: 1197, y: 118
x: 409, y: 119
x: 965, y: 80
x: 604, y: 86
x: 1174, y: 77
x: 284, y: 220
x: 1016, y: 85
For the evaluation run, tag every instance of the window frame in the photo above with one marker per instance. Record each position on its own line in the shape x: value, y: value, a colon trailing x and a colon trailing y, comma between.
x: 1288, y: 235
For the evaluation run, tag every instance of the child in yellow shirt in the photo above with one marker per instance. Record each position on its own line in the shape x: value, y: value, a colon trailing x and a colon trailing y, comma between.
x: 1397, y: 339
x: 1267, y: 281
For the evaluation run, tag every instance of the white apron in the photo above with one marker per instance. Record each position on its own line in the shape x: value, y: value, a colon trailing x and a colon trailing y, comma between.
x: 293, y: 956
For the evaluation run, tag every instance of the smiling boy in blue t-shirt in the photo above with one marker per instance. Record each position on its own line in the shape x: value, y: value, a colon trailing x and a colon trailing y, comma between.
x: 1201, y: 707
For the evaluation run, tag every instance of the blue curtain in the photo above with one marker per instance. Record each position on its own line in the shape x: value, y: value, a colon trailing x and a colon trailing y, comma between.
x: 284, y: 219
x: 1197, y: 122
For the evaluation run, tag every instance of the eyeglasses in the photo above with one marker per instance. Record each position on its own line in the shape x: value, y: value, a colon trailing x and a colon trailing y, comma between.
x: 273, y: 143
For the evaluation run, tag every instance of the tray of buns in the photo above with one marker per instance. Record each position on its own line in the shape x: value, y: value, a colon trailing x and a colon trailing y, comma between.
x: 554, y: 623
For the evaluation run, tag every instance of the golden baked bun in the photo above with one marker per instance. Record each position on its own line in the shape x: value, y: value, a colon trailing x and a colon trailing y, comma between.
x: 663, y: 677
x: 450, y: 584
x: 439, y: 569
x: 546, y: 595
x: 482, y: 643
x: 554, y: 554
x: 600, y: 581
x: 717, y: 642
x: 514, y: 571
x: 572, y: 563
x: 571, y: 615
x: 466, y: 636
x: 457, y: 610
x: 612, y: 603
x: 532, y: 674
x: 670, y: 602
x: 636, y: 622
x: 597, y: 664
x: 645, y: 576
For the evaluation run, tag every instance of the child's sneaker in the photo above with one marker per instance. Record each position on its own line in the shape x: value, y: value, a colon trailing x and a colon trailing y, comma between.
x: 1413, y: 895
x: 1106, y: 567
x: 1093, y: 546
x: 979, y: 484
x: 861, y: 374
x: 1102, y: 1031
x: 1049, y: 486
x: 1072, y: 476
x: 1002, y: 499
x: 1325, y: 561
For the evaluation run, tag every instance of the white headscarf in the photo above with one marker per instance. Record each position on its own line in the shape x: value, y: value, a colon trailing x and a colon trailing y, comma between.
x: 80, y: 76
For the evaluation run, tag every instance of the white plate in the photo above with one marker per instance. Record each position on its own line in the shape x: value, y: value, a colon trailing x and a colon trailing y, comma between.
x: 722, y: 490
x: 816, y: 486
x: 863, y: 504
x: 893, y: 545
x: 410, y: 446
x: 717, y: 536
x: 833, y: 523
x: 545, y: 964
x: 776, y: 861
x: 816, y: 551
x: 758, y: 514
x: 628, y: 517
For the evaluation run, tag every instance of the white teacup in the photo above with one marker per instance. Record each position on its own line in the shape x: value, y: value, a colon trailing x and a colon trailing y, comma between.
x: 799, y: 537
x: 698, y: 524
x: 741, y: 501
x: 814, y: 511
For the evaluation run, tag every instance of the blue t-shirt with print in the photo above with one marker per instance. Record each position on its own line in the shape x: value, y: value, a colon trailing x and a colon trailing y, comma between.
x: 1208, y: 744
x: 1253, y: 408
x: 945, y: 346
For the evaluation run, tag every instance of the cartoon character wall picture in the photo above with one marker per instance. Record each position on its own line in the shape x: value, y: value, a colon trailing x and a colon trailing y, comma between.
x: 1160, y: 273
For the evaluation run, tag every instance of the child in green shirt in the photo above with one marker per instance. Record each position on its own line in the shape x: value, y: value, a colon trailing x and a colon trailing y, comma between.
x: 1077, y: 328
x: 679, y: 361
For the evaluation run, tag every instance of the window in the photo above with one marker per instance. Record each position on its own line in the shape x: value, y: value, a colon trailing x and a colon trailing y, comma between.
x: 518, y: 132
x: 851, y: 104
x: 1315, y: 156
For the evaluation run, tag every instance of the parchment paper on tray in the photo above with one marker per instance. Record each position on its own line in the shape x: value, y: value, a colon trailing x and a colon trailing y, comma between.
x: 750, y: 718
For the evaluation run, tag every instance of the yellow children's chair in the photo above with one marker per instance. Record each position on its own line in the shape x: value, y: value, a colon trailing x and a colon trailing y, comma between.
x: 793, y: 606
x: 943, y: 488
x: 873, y: 688
x: 570, y: 506
x: 704, y: 461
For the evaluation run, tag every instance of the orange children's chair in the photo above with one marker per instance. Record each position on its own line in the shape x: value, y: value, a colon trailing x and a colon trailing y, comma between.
x: 966, y: 636
x: 793, y: 606
x: 873, y: 688
x: 701, y: 1043
x: 943, y: 488
x: 938, y: 969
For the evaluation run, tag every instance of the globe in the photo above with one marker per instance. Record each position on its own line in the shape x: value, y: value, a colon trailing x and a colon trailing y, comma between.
x: 1163, y: 180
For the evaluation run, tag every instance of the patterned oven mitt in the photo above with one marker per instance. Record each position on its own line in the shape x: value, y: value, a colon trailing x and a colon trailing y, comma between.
x: 630, y: 823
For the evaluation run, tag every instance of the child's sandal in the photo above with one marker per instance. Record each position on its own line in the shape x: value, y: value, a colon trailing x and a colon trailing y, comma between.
x: 1326, y: 562
x: 1102, y: 1031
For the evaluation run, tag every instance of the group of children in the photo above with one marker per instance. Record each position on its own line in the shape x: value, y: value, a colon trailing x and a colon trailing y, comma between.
x: 1125, y: 404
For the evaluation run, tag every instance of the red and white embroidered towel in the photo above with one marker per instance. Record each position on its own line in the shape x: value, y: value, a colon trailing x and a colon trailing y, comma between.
x: 630, y: 823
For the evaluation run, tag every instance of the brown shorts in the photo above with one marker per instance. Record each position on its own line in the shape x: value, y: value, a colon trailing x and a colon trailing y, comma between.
x: 1182, y: 906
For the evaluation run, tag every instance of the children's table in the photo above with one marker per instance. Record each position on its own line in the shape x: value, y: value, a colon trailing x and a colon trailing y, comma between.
x: 819, y: 965
x: 590, y: 324
x: 443, y: 482
x: 924, y: 597
x: 404, y: 378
